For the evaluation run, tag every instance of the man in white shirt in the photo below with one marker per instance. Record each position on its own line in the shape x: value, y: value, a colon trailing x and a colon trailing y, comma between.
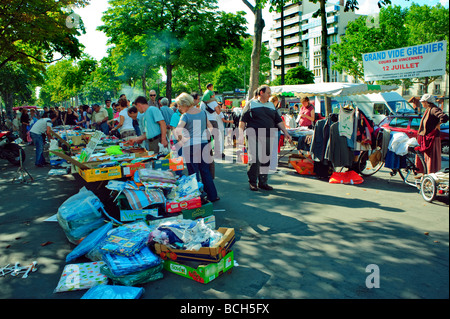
x: 100, y: 118
x: 41, y: 127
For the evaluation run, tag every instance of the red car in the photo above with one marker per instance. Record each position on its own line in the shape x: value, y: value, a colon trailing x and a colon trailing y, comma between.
x: 409, y: 124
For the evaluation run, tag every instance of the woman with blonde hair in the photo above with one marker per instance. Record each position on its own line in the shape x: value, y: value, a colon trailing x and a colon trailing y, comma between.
x: 192, y: 135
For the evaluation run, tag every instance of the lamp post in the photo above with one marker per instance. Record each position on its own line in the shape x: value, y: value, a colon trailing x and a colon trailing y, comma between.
x: 273, y: 55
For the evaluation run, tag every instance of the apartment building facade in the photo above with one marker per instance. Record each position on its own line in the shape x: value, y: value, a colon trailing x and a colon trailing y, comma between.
x: 303, y: 37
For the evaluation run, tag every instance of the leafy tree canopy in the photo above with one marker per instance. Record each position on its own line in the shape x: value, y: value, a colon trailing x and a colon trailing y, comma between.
x: 34, y: 30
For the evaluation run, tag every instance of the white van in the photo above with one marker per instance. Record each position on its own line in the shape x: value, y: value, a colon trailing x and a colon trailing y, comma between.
x: 379, y: 105
x: 376, y: 106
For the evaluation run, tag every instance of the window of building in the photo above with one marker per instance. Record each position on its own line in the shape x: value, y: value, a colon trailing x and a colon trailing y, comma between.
x: 420, y: 90
x: 317, y: 40
x: 437, y: 89
x: 317, y: 72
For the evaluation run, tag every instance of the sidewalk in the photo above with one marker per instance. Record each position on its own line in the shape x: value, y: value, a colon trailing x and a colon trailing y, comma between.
x: 306, y: 239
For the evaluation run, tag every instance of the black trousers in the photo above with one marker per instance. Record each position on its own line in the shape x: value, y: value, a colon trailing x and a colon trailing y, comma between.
x: 259, y: 153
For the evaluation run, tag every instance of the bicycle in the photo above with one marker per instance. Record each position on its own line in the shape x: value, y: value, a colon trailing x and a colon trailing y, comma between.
x: 412, y: 170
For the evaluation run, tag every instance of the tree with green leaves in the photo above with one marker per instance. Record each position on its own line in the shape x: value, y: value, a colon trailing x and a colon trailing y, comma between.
x: 164, y: 26
x: 207, y: 41
x: 35, y: 30
x: 362, y: 37
x: 427, y: 24
x: 296, y: 75
x: 17, y: 84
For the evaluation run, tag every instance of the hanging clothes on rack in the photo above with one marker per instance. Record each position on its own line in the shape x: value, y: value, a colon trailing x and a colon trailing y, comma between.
x: 364, y: 129
x: 346, y: 119
x: 338, y: 152
x: 317, y: 144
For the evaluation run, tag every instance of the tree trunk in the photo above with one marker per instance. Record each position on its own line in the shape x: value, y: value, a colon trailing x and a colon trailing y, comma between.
x: 324, y: 53
x: 324, y: 46
x: 169, y: 68
x: 199, y: 84
x: 9, y: 102
x: 256, y: 51
x: 144, y: 83
x: 426, y: 83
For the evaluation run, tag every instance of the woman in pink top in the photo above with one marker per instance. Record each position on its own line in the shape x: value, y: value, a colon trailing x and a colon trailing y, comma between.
x: 306, y: 114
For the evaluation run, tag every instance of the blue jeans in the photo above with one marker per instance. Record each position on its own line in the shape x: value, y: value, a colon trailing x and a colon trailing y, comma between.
x: 196, y: 164
x: 38, y: 141
x: 104, y: 128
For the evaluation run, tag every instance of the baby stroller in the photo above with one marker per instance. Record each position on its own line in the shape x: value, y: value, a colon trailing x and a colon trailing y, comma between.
x: 434, y: 184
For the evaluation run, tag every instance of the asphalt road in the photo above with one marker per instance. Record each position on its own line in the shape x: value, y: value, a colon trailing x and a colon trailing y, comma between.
x: 306, y: 239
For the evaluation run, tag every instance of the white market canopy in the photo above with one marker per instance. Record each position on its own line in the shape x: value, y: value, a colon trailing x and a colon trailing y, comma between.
x: 330, y: 89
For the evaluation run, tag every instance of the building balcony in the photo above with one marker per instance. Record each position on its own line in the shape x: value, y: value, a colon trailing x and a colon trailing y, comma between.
x: 287, y: 31
x: 289, y: 60
x: 287, y: 41
x: 287, y: 22
x: 295, y: 9
x: 317, y: 23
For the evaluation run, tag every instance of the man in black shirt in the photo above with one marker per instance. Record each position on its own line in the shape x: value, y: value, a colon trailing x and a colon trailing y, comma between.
x: 261, y: 121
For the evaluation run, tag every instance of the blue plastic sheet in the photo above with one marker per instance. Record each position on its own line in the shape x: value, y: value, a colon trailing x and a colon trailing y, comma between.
x: 89, y: 242
x: 113, y: 292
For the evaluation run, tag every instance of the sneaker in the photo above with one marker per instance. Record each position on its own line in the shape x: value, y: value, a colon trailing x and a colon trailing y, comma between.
x: 253, y: 187
x: 266, y: 187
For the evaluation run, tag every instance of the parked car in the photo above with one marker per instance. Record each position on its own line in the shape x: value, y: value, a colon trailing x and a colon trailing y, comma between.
x: 409, y: 124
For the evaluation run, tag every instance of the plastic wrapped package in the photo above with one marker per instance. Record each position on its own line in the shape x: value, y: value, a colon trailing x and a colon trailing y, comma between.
x: 135, y: 278
x: 186, y: 186
x: 123, y: 265
x: 80, y: 214
x: 96, y: 253
x: 113, y: 292
x: 151, y: 175
x: 127, y: 239
x: 89, y: 242
x: 81, y: 276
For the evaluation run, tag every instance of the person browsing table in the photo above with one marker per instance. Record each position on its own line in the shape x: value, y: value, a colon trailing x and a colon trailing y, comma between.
x: 152, y: 124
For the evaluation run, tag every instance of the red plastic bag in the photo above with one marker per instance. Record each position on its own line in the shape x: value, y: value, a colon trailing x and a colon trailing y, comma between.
x: 349, y: 177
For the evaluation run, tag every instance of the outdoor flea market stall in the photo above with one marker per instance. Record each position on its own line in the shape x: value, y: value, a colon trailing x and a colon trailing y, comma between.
x: 345, y: 139
x: 165, y: 223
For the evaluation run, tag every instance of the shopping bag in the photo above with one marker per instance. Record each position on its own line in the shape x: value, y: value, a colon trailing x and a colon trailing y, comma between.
x: 304, y: 166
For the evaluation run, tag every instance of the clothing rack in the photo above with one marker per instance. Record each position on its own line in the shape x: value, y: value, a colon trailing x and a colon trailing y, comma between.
x: 330, y: 147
